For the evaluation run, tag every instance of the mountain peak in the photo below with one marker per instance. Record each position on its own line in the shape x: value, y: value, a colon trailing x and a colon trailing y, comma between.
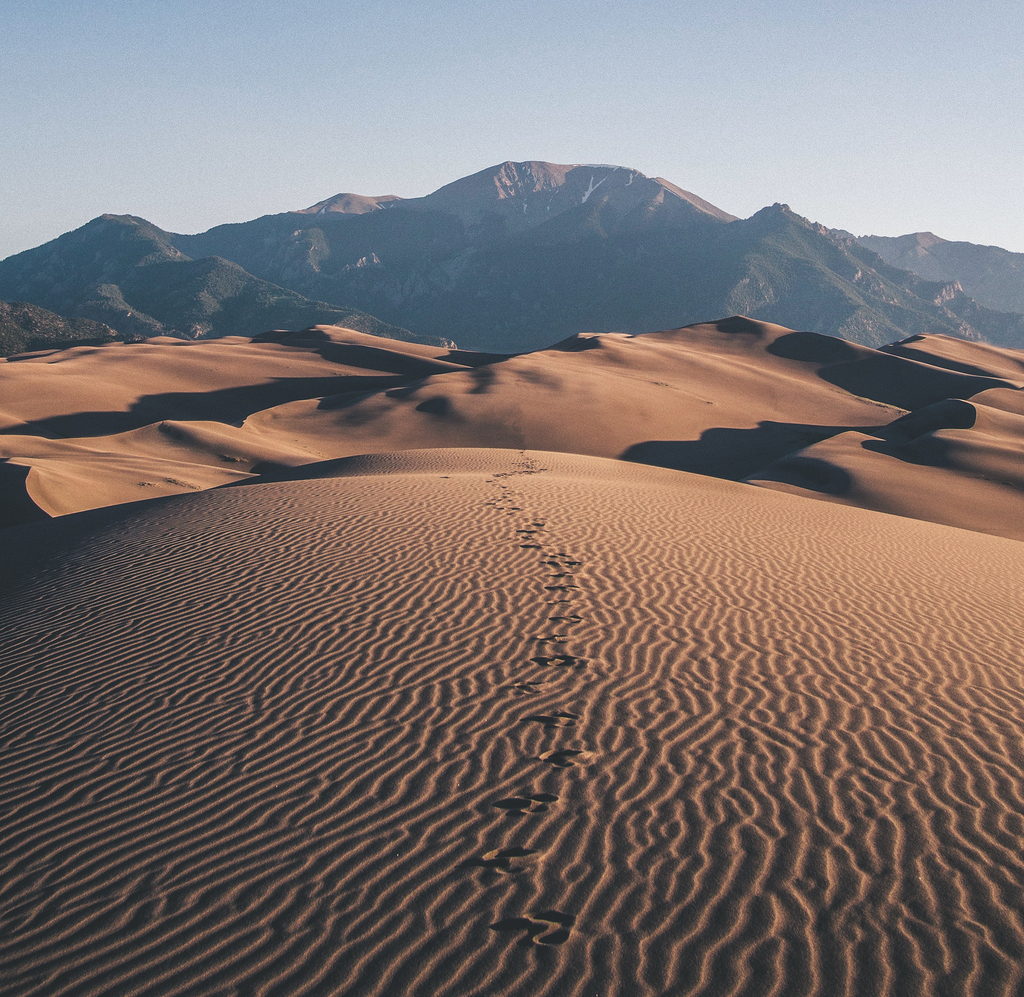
x: 530, y: 192
x: 915, y: 240
x: 550, y: 188
x: 349, y: 204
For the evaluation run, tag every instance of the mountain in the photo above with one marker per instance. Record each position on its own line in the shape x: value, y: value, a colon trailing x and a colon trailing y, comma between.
x: 522, y: 254
x: 27, y: 327
x: 126, y: 273
x: 515, y: 196
x: 507, y: 260
x: 994, y: 277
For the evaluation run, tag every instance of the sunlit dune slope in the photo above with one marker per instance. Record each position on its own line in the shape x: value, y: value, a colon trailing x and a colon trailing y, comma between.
x: 95, y: 426
x: 963, y: 356
x: 86, y: 390
x: 475, y: 722
x: 610, y: 396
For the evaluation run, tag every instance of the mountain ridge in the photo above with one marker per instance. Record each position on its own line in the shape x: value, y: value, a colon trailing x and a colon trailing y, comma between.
x: 508, y: 259
x: 510, y: 186
x: 125, y: 272
x: 993, y: 276
x: 25, y: 327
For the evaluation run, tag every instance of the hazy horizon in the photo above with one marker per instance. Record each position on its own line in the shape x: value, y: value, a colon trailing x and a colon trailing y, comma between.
x: 875, y: 120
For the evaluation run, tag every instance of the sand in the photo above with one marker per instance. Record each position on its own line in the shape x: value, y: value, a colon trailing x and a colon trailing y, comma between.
x: 741, y: 400
x: 955, y: 462
x: 475, y: 722
x: 99, y: 426
x: 686, y: 663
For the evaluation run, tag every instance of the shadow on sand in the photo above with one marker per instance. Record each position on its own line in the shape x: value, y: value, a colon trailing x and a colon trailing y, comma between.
x: 733, y: 453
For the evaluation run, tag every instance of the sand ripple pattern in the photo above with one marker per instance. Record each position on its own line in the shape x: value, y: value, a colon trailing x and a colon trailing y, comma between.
x: 516, y: 731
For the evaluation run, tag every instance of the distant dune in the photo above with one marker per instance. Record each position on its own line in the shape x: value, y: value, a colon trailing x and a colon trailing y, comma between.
x: 887, y: 429
x: 505, y: 722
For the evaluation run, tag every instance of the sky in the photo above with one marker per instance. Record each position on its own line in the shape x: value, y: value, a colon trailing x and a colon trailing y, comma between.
x: 878, y: 118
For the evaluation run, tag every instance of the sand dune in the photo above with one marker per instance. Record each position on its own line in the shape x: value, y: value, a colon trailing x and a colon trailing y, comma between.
x: 475, y: 722
x: 88, y: 389
x: 860, y: 470
x: 958, y: 462
x: 961, y: 355
x: 600, y: 395
x: 736, y: 399
x: 98, y: 426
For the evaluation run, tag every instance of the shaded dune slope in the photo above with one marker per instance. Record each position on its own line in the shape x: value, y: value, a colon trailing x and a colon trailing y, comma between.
x: 518, y: 723
x: 734, y: 399
x: 956, y: 461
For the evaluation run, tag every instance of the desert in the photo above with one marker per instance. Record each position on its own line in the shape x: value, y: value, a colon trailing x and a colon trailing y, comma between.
x: 511, y: 500
x: 677, y: 663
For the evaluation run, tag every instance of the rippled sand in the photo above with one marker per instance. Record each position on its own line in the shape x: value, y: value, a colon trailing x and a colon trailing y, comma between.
x: 475, y: 722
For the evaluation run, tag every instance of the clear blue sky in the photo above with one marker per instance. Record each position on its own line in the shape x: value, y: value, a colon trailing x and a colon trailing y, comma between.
x: 876, y: 117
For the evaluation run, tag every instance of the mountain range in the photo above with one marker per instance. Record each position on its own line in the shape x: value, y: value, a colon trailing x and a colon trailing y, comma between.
x: 513, y: 258
x: 992, y: 276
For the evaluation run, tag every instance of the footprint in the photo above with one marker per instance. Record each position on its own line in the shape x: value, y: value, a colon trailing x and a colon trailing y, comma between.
x: 557, y: 937
x: 572, y: 618
x: 562, y: 758
x: 561, y: 660
x: 559, y: 588
x: 561, y: 719
x: 561, y: 934
x: 531, y: 546
x: 501, y: 858
x: 538, y: 924
x: 520, y: 805
x: 532, y: 928
x: 525, y: 687
x: 552, y: 639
